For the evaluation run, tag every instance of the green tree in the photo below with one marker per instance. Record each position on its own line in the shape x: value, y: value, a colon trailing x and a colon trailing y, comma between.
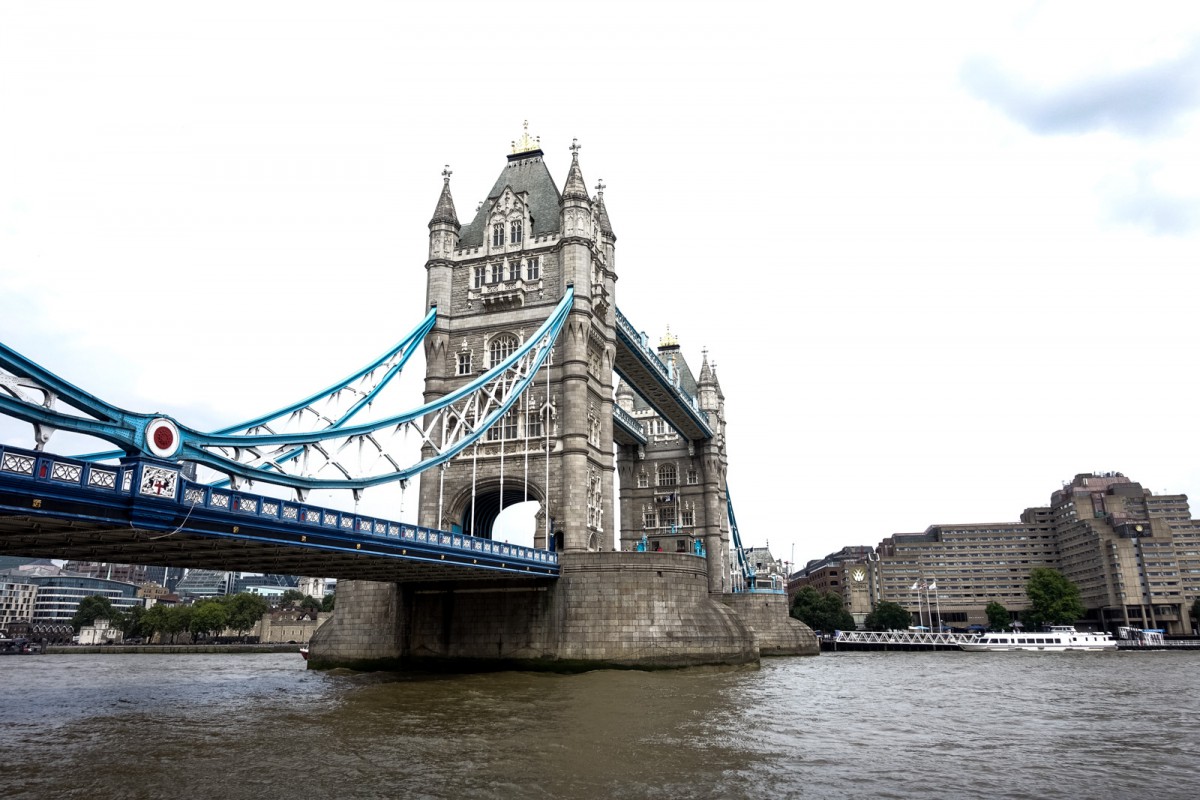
x: 327, y: 602
x: 245, y: 610
x: 821, y: 612
x: 154, y: 621
x: 90, y: 609
x: 998, y: 616
x: 208, y: 617
x: 290, y: 598
x: 310, y: 604
x: 1053, y: 600
x: 131, y: 622
x: 888, y: 616
x: 179, y: 619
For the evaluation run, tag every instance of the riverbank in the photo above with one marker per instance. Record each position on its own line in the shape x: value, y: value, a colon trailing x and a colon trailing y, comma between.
x: 168, y: 649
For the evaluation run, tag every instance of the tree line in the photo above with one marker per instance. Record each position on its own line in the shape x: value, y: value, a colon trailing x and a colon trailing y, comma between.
x: 206, y: 617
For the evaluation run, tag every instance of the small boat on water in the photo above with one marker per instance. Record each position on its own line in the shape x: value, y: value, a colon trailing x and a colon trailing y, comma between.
x: 1053, y: 639
x: 304, y: 651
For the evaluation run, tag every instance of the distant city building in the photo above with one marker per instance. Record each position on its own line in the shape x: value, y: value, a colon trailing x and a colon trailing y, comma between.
x: 205, y: 583
x: 100, y: 632
x: 166, y: 577
x: 266, y: 585
x: 125, y: 573
x: 1134, y: 556
x: 58, y: 596
x: 315, y: 587
x: 16, y: 601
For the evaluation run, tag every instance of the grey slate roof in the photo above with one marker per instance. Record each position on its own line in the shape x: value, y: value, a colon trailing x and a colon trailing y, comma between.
x: 525, y: 172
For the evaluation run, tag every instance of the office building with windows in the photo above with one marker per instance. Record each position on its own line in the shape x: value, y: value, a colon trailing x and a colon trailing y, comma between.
x: 1135, y: 557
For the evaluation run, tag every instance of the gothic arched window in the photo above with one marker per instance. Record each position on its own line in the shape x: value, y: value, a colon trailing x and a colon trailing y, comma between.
x: 667, y: 476
x: 516, y: 231
x: 501, y: 348
x: 498, y: 234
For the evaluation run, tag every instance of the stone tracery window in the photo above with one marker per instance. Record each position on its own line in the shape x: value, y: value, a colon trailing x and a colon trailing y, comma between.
x: 498, y: 234
x: 516, y: 231
x: 667, y: 475
x: 500, y: 348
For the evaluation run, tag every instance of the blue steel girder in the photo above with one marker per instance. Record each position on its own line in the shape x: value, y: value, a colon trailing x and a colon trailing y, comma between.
x: 447, y: 425
x: 143, y: 511
x: 641, y: 368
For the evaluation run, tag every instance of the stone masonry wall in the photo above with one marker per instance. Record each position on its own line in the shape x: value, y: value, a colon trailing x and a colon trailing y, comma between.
x: 363, y: 631
x: 774, y: 629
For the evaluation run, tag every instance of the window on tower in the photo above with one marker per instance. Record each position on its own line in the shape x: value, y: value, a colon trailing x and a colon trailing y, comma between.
x: 497, y: 273
x: 498, y: 234
x: 479, y: 277
x: 464, y: 363
x: 533, y: 424
x: 667, y: 476
x: 533, y: 269
x: 501, y: 348
x: 516, y: 231
x: 643, y: 480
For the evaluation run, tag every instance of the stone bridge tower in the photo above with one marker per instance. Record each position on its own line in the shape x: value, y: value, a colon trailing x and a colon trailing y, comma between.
x: 494, y: 281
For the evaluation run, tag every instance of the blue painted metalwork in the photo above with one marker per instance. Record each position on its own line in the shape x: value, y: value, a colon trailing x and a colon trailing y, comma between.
x: 159, y: 436
x: 747, y: 570
x: 637, y: 344
x: 159, y: 496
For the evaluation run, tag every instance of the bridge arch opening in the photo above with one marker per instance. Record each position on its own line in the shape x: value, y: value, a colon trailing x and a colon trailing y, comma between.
x: 505, y: 513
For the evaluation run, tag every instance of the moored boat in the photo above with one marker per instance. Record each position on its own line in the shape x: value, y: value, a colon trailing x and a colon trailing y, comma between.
x: 1053, y: 639
x: 304, y: 651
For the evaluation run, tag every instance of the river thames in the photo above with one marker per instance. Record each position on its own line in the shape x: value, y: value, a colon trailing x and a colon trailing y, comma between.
x: 888, y: 725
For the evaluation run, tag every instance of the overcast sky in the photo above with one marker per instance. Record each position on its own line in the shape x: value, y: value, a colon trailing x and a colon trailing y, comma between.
x: 944, y: 255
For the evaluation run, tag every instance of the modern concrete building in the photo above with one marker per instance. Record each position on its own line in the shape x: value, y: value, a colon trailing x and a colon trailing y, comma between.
x: 16, y: 601
x: 1135, y: 557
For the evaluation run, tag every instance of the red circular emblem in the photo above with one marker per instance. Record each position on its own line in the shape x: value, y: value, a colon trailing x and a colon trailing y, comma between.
x: 164, y: 438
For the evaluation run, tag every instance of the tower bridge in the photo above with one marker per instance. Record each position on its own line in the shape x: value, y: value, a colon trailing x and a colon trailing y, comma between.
x: 536, y: 388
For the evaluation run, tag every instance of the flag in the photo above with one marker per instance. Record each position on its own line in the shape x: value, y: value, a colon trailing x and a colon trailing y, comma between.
x: 915, y: 585
x: 932, y: 586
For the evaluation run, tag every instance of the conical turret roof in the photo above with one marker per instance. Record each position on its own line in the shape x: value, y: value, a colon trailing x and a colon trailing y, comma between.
x: 444, y: 213
x: 575, y: 188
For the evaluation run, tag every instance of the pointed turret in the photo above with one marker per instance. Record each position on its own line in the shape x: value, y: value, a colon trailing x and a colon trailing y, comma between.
x: 575, y: 188
x: 443, y: 240
x: 602, y: 213
x: 444, y: 213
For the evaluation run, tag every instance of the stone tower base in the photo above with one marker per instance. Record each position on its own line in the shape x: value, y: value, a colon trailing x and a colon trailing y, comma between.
x: 615, y: 610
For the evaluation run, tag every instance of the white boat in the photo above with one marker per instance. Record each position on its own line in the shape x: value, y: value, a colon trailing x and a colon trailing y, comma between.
x: 1055, y: 638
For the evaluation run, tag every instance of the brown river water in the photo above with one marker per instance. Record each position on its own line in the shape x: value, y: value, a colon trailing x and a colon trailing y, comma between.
x: 838, y: 725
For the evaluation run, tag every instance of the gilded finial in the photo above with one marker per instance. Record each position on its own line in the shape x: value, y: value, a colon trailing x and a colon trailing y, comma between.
x: 668, y: 340
x: 526, y: 144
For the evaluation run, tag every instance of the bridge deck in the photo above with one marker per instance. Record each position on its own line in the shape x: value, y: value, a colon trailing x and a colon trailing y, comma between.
x: 56, y: 507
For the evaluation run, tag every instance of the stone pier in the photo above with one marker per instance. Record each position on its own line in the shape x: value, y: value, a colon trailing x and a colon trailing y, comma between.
x: 607, y: 610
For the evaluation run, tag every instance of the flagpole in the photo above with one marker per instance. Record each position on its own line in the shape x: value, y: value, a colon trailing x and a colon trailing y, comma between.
x: 938, y: 602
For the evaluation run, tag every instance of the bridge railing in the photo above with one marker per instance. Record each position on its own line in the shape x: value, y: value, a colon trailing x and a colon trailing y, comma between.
x: 652, y: 358
x: 629, y: 419
x: 120, y: 482
x: 905, y: 637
